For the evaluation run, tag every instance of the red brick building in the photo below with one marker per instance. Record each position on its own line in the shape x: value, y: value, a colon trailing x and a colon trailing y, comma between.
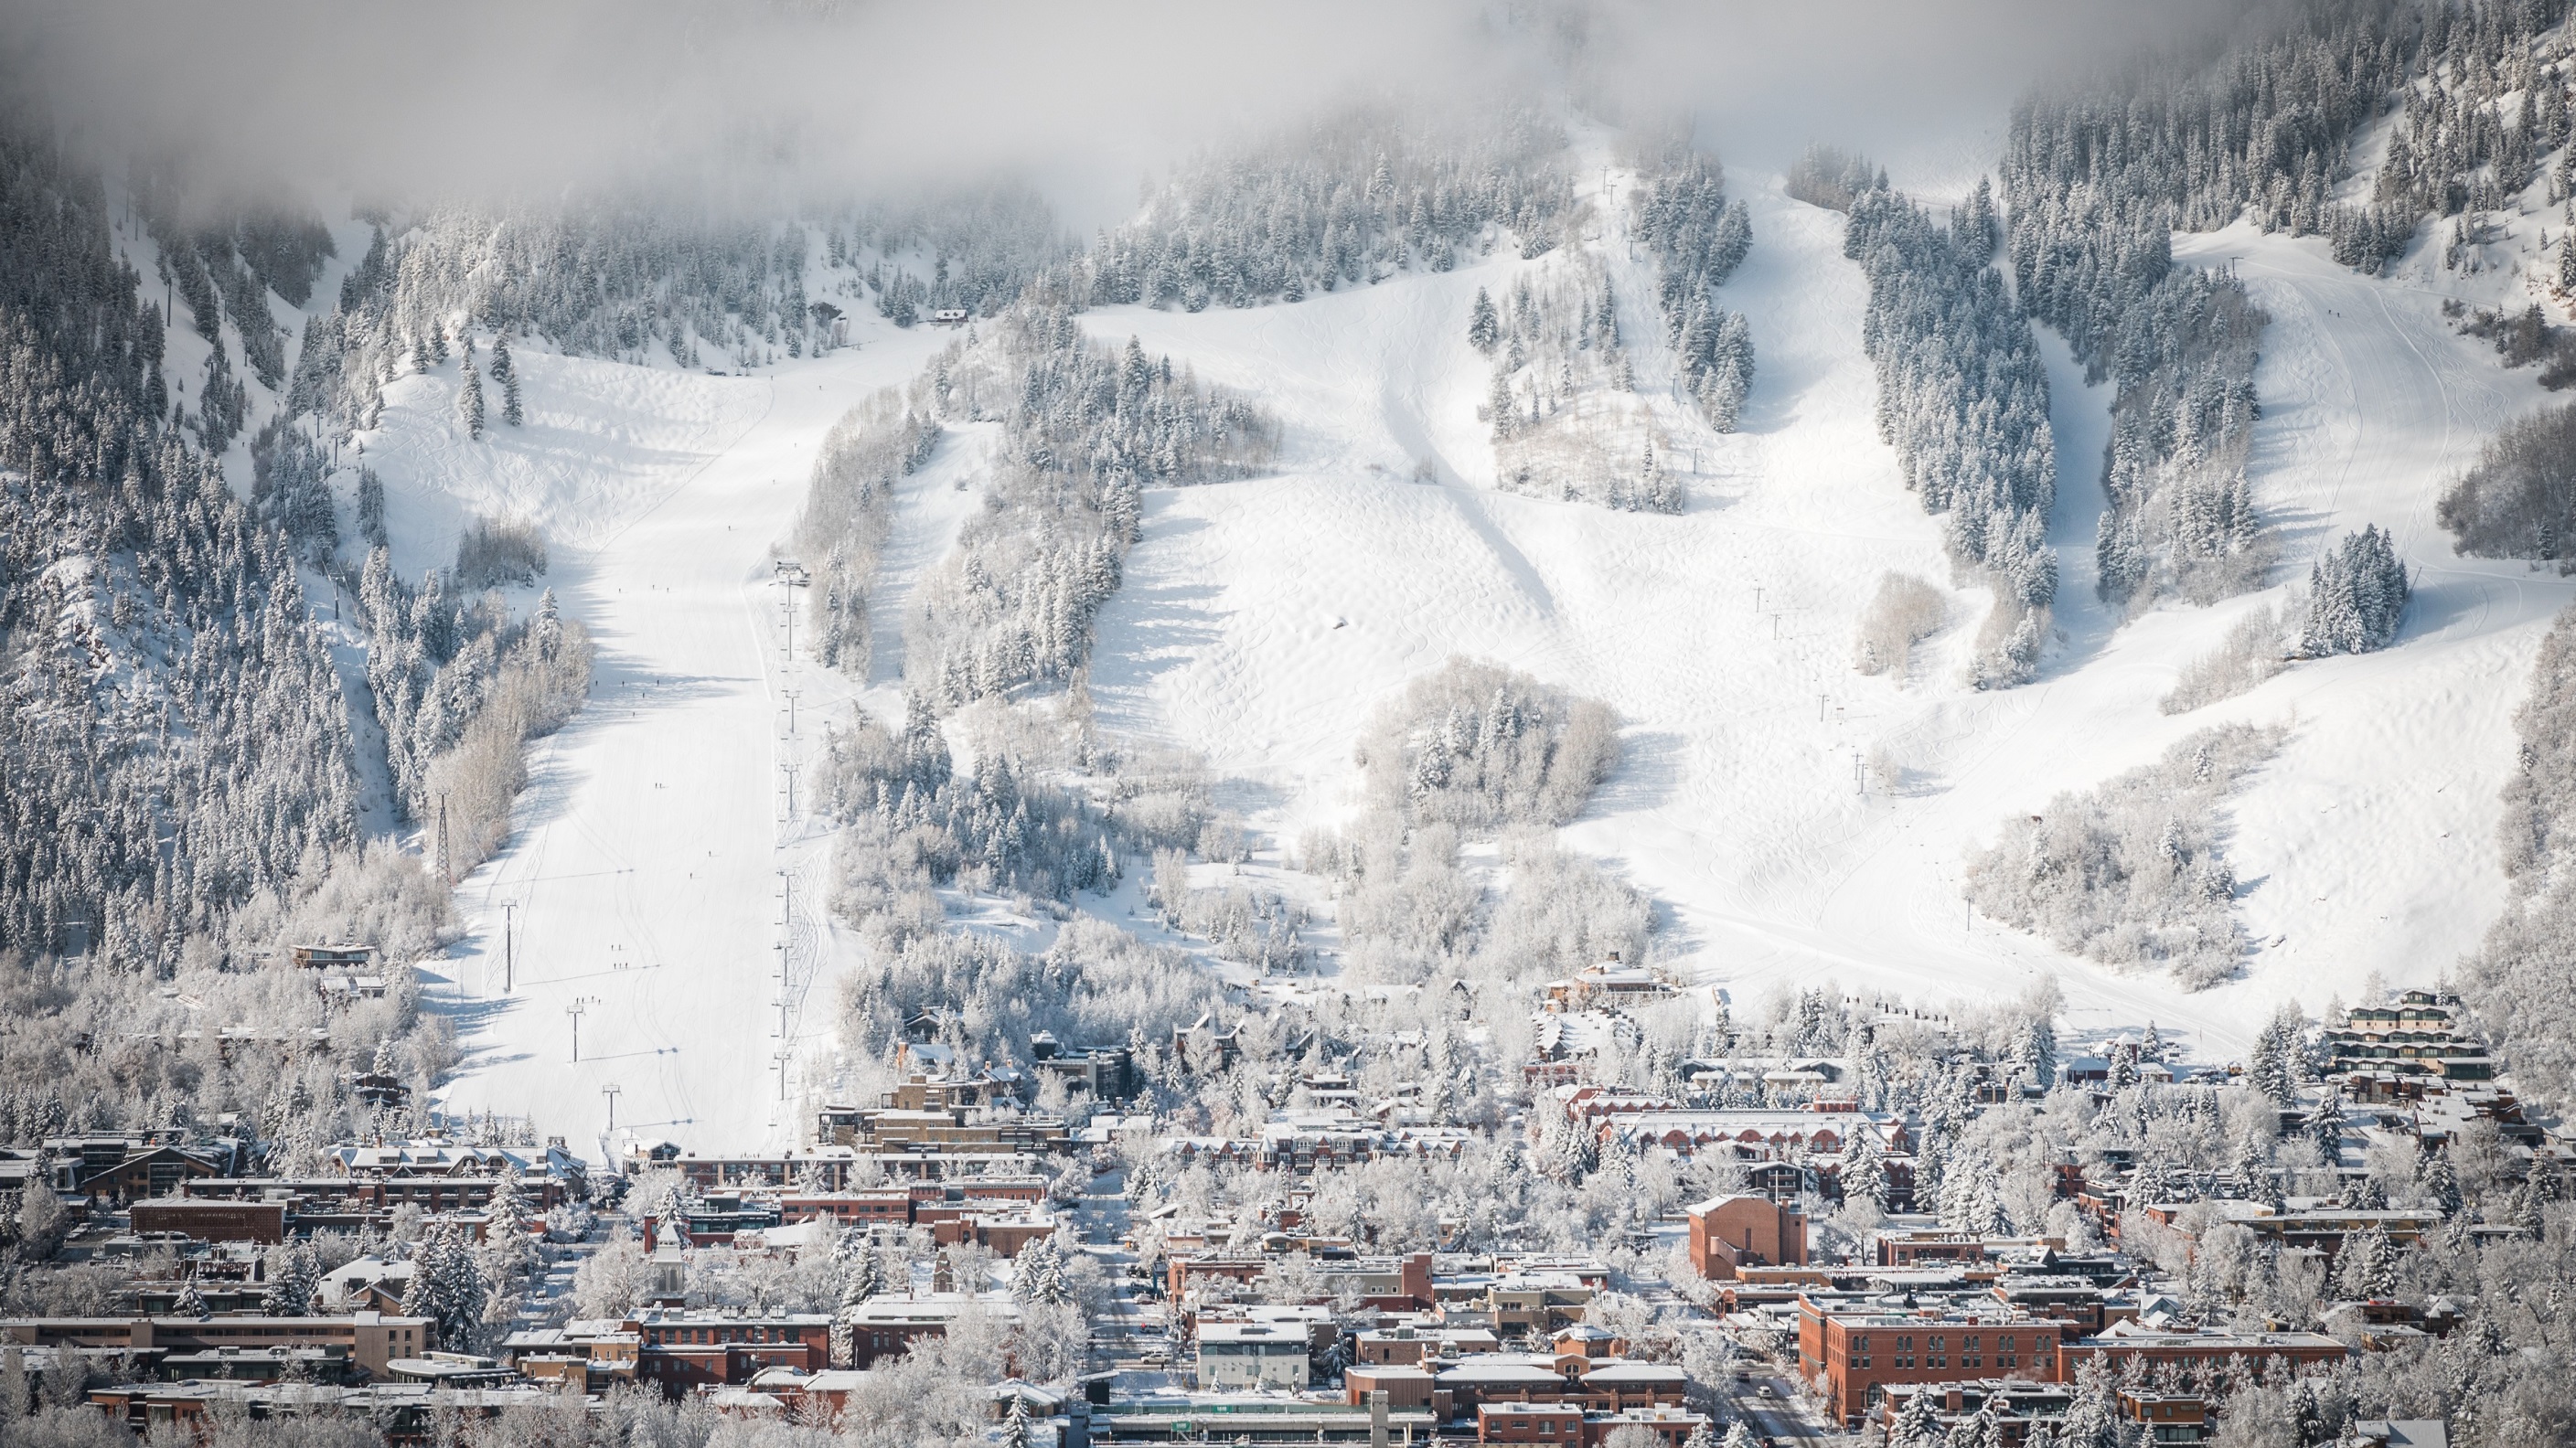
x: 1731, y: 1233
x: 683, y: 1351
x: 1854, y: 1355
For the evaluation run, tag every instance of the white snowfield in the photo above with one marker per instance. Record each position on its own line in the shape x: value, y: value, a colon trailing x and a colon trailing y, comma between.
x: 647, y: 866
x: 1262, y: 621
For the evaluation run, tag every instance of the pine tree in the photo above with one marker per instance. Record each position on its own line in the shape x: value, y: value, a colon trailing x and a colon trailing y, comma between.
x: 297, y: 1281
x: 2442, y: 1184
x: 1864, y: 1176
x: 1483, y: 328
x: 191, y: 1302
x: 469, y: 395
x: 1916, y: 1425
x: 865, y: 1278
x: 1498, y: 402
x: 506, y: 372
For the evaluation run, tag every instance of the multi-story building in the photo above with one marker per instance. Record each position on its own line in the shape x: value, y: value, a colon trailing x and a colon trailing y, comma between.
x: 2016, y: 1407
x: 1251, y: 1355
x: 681, y: 1350
x: 1731, y: 1233
x: 2207, y: 1353
x: 2419, y: 1035
x: 1854, y: 1355
x: 372, y: 1339
x: 886, y: 1326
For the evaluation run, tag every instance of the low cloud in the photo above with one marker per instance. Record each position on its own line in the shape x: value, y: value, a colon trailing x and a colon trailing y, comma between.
x: 755, y: 105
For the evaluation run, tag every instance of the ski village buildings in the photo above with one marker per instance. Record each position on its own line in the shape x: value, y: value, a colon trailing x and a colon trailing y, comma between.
x: 1232, y: 1315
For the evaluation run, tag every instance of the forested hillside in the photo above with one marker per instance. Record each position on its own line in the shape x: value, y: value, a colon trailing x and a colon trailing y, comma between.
x: 181, y: 783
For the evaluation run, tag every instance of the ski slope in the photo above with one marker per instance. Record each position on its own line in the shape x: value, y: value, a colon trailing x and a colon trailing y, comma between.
x: 1262, y: 621
x: 648, y: 875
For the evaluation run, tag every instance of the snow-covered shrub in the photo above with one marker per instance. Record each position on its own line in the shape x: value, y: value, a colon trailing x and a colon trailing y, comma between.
x: 437, y: 670
x: 1832, y: 178
x: 1904, y: 612
x: 2249, y: 654
x: 499, y: 550
x: 1471, y: 749
x: 1096, y: 983
x: 1559, y: 913
x: 919, y: 821
x: 2519, y: 500
x: 2131, y: 872
x: 1480, y: 746
x: 1260, y: 928
x: 2357, y: 591
x: 1564, y: 418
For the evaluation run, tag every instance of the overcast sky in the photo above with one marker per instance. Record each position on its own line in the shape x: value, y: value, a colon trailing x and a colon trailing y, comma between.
x: 763, y: 100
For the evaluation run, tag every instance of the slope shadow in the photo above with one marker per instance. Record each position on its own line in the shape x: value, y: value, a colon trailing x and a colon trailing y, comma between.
x: 1648, y: 775
x: 552, y: 779
x: 2079, y: 420
x: 1159, y: 628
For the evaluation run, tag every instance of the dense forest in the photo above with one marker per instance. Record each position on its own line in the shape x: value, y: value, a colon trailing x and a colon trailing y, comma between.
x: 181, y: 784
x: 1085, y: 428
x: 1963, y: 395
x: 2523, y: 980
x: 1343, y: 203
x: 1698, y: 240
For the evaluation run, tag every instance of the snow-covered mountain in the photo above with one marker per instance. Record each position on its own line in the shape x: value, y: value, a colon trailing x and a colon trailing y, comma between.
x: 1795, y: 820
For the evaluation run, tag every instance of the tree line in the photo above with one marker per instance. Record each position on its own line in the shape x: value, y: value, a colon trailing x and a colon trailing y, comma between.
x: 1963, y: 398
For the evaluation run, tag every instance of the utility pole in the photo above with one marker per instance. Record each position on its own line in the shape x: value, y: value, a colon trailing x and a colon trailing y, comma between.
x: 782, y: 1058
x: 791, y: 788
x: 509, y: 958
x: 786, y: 948
x: 610, y: 1091
x: 574, y: 1010
x: 445, y: 872
x: 791, y: 712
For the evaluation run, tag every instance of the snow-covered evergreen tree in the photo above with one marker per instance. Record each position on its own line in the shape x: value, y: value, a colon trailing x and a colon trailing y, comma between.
x: 506, y: 373
x: 469, y: 395
x: 2357, y: 592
